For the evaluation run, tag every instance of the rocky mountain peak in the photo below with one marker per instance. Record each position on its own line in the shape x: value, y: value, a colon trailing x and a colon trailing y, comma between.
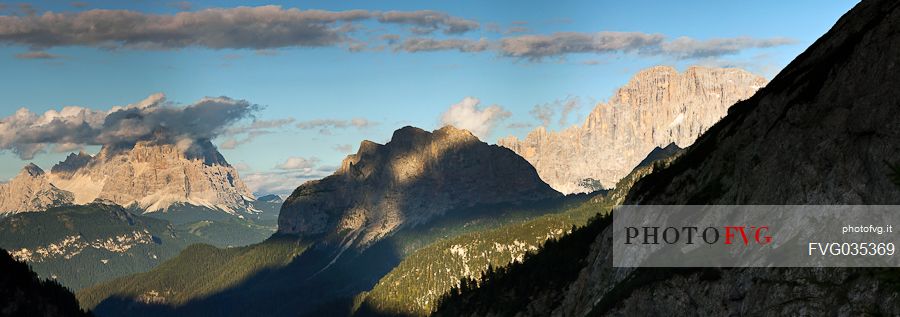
x: 200, y: 150
x: 408, y: 140
x: 270, y: 199
x: 148, y: 174
x: 411, y: 138
x: 415, y: 177
x: 72, y: 163
x: 155, y: 176
x: 31, y: 190
x: 657, y: 106
x: 32, y: 170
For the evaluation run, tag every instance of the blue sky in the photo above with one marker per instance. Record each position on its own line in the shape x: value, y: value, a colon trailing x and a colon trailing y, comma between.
x: 385, y: 85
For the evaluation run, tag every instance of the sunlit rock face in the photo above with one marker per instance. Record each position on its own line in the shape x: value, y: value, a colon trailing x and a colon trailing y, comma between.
x: 149, y: 175
x: 658, y: 106
x: 31, y: 190
x: 415, y: 177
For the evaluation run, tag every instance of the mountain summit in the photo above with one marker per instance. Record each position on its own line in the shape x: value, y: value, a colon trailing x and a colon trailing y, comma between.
x: 31, y: 190
x: 415, y: 177
x: 658, y: 106
x: 148, y: 175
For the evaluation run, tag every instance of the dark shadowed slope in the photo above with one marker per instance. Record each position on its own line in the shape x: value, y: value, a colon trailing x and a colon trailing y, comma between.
x: 819, y: 133
x: 22, y: 293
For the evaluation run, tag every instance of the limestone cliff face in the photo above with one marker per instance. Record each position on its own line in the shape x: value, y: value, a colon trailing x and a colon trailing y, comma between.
x: 413, y: 178
x: 657, y: 107
x: 148, y: 175
x: 31, y: 190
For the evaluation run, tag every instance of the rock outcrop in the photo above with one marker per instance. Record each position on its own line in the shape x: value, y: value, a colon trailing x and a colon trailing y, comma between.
x: 147, y: 175
x: 657, y: 107
x: 31, y: 190
x: 415, y: 177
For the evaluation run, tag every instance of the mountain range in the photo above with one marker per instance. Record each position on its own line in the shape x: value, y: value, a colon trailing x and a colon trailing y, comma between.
x: 339, y: 235
x: 442, y: 222
x: 388, y: 206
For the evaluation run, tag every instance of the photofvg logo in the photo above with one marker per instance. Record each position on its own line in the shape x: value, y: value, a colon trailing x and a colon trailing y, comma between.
x: 745, y: 235
x: 754, y: 236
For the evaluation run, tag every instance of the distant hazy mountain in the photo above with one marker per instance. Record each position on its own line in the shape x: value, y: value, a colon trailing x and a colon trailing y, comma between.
x: 412, y: 179
x: 81, y: 245
x: 183, y: 194
x: 23, y: 293
x: 823, y: 131
x: 147, y: 175
x: 154, y: 177
x: 270, y: 199
x: 659, y: 153
x: 658, y: 106
x: 191, y: 186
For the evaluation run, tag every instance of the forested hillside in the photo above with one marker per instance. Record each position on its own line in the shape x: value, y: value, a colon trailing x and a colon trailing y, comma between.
x: 199, y: 271
x: 416, y: 284
x: 83, y: 245
x: 23, y: 293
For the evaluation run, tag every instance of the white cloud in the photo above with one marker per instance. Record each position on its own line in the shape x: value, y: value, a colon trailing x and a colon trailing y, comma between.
x: 251, y: 131
x: 37, y: 55
x: 230, y: 144
x: 26, y: 133
x: 260, y: 28
x: 326, y: 125
x: 547, y: 111
x: 688, y: 48
x: 537, y: 47
x: 298, y: 163
x: 242, y: 167
x: 280, y: 182
x: 343, y: 148
x: 414, y: 45
x: 427, y: 21
x: 288, y: 176
x: 468, y: 115
x: 67, y: 147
